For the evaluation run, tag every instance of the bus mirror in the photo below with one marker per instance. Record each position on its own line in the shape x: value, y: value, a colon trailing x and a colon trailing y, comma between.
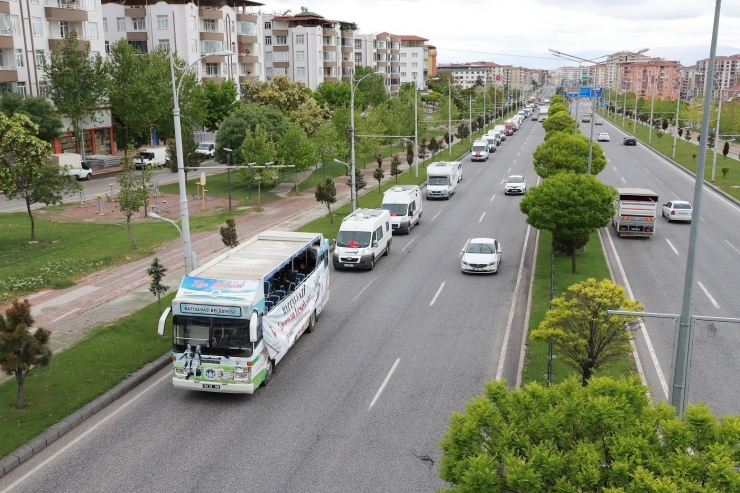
x: 253, y: 327
x: 163, y: 321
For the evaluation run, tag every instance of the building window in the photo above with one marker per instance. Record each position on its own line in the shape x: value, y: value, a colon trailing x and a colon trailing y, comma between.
x: 268, y: 25
x: 403, y: 74
x: 358, y: 57
x: 414, y: 64
x: 330, y: 56
x: 212, y: 69
x: 358, y: 44
x: 209, y: 25
x: 268, y: 40
x: 328, y: 40
x: 403, y: 64
x: 22, y: 89
x: 164, y: 44
x: 300, y: 55
x: 414, y: 55
x: 414, y: 74
x: 139, y: 46
x: 35, y: 1
x: 403, y: 55
x: 121, y: 23
x: 268, y: 56
x: 194, y: 46
x: 281, y: 40
x: 280, y: 56
x: 40, y: 58
x: 105, y: 24
x: 210, y: 46
x: 63, y: 29
x: 107, y: 47
x: 139, y: 23
x: 163, y: 22
x: 249, y: 28
x: 15, y: 24
x: 36, y: 26
x: 381, y: 45
x: 92, y: 30
x: 268, y: 73
x: 300, y: 72
x: 193, y: 23
x: 19, y: 58
x: 299, y: 39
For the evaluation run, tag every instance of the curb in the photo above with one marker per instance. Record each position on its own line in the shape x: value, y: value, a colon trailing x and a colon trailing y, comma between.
x: 54, y: 432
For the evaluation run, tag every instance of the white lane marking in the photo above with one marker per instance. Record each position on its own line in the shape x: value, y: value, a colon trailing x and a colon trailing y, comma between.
x: 518, y: 153
x: 646, y: 169
x: 732, y: 246
x: 366, y: 286
x: 671, y: 245
x: 385, y: 382
x: 494, y: 196
x: 509, y: 170
x: 659, y: 181
x: 478, y: 171
x: 87, y: 432
x: 481, y: 217
x: 711, y: 298
x: 623, y: 180
x: 437, y: 214
x: 615, y: 168
x: 513, y: 162
x: 648, y: 342
x: 437, y: 294
x: 62, y: 316
x: 410, y: 242
x: 507, y: 333
x: 502, y: 181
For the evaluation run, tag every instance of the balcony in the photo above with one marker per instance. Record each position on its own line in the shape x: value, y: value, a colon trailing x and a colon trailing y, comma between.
x: 247, y: 17
x: 248, y: 79
x: 6, y: 38
x: 4, y: 7
x: 8, y: 73
x: 65, y: 11
x: 211, y: 35
x: 56, y: 38
x: 210, y: 13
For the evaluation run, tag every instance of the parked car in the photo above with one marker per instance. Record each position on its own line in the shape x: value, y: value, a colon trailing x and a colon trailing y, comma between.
x: 603, y: 137
x: 481, y: 256
x: 629, y: 141
x: 515, y: 184
x: 677, y: 210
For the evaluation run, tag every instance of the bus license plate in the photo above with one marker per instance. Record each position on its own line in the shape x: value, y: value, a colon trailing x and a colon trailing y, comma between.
x: 211, y: 386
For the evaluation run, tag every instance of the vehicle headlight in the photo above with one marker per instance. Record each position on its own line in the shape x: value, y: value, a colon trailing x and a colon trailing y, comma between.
x: 491, y: 264
x: 366, y: 251
x: 465, y: 263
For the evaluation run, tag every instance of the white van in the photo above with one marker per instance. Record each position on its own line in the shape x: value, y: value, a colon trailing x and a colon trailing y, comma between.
x: 492, y: 138
x: 363, y: 237
x: 442, y: 178
x: 404, y: 204
x: 501, y: 129
x: 151, y: 156
x: 206, y: 150
x: 479, y: 151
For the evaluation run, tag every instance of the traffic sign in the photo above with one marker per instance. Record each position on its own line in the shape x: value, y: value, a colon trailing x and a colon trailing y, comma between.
x: 601, y: 103
x: 584, y: 92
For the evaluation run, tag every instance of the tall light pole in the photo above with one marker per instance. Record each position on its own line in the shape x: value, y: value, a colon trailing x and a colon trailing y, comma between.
x: 228, y: 171
x: 678, y: 108
x: 353, y: 192
x: 184, y: 218
x: 416, y: 131
x: 485, y: 89
x: 449, y: 115
x: 716, y: 131
x: 652, y: 108
x: 470, y: 117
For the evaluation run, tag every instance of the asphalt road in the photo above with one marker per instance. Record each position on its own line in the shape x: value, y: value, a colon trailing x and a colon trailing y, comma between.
x: 358, y: 405
x: 655, y: 270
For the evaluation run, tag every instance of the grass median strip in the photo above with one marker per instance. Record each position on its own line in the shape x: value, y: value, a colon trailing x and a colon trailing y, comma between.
x: 591, y: 263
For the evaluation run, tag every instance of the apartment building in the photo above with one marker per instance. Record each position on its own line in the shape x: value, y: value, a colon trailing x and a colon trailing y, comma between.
x: 726, y: 74
x: 414, y: 60
x: 570, y: 76
x: 467, y: 74
x: 653, y: 76
x: 689, y: 87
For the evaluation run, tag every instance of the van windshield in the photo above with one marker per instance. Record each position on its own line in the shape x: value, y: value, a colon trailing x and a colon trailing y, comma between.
x: 479, y: 148
x: 395, y: 209
x: 438, y: 180
x: 146, y: 155
x: 204, y: 146
x: 353, y: 239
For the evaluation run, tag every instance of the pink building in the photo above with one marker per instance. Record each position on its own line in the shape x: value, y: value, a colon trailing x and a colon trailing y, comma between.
x: 654, y: 75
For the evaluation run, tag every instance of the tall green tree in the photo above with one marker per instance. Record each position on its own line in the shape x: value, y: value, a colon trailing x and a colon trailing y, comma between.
x: 567, y: 152
x: 134, y: 192
x: 608, y: 437
x: 559, y: 122
x: 156, y: 271
x: 20, y: 350
x: 25, y: 170
x: 247, y: 117
x: 337, y: 95
x: 295, y: 148
x: 258, y: 147
x: 326, y: 193
x: 221, y: 99
x: 570, y: 206
x: 556, y: 108
x: 587, y: 338
x: 228, y: 234
x: 328, y: 144
x: 395, y: 166
x: 77, y: 80
x: 372, y: 87
x: 378, y: 174
x: 38, y: 109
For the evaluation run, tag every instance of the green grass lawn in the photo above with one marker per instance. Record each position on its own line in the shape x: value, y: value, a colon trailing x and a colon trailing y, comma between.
x: 685, y: 154
x: 76, y: 376
x: 589, y: 264
x: 217, y: 185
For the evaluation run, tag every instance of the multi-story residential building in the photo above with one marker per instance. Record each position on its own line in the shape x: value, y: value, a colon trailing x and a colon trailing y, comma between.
x: 467, y: 74
x: 570, y: 76
x: 726, y: 74
x: 689, y: 87
x: 652, y: 76
x: 414, y: 60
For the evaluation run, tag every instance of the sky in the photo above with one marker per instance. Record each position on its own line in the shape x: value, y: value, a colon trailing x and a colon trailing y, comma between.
x: 520, y: 32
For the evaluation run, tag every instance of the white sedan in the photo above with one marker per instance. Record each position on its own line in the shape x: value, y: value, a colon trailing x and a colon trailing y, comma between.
x: 603, y: 137
x: 677, y: 210
x: 481, y: 256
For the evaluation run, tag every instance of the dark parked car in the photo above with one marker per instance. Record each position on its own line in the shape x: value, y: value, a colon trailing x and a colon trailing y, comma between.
x: 629, y: 141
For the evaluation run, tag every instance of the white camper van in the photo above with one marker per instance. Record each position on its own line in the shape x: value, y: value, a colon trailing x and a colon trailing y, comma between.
x: 151, y: 156
x: 479, y: 151
x: 501, y: 129
x: 442, y: 178
x: 363, y: 237
x: 404, y: 204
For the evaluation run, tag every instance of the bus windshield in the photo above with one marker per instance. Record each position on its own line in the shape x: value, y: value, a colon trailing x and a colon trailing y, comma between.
x: 353, y: 239
x: 438, y: 180
x: 395, y: 209
x: 216, y: 336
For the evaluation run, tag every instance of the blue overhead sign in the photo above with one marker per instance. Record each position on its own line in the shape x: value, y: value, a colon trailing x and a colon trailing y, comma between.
x: 584, y: 92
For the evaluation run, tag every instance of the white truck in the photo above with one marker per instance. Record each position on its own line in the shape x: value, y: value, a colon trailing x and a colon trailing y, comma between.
x: 73, y: 165
x: 234, y: 318
x: 635, y: 210
x: 442, y: 179
x: 404, y: 204
x: 151, y: 156
x: 363, y: 237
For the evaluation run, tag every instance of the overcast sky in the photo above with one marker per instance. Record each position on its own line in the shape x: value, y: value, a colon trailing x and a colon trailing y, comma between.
x: 519, y: 32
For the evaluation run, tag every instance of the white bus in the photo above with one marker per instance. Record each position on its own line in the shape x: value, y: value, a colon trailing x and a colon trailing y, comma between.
x: 235, y: 317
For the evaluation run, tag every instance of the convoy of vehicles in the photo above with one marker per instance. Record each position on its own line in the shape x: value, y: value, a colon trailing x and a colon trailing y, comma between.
x: 635, y: 211
x: 364, y: 236
x: 501, y: 129
x: 235, y: 317
x: 404, y: 204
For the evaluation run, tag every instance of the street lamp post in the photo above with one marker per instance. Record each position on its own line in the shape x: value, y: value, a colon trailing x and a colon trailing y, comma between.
x: 228, y: 171
x: 716, y: 131
x: 678, y: 108
x: 184, y: 218
x: 353, y: 192
x: 449, y: 115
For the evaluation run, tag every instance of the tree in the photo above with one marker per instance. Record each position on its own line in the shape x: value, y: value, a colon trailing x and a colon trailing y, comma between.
x: 295, y: 148
x: 326, y: 193
x: 557, y: 99
x: 447, y: 138
x: 258, y: 147
x: 395, y: 166
x: 378, y: 174
x: 559, y: 122
x: 688, y: 134
x: 248, y: 116
x: 190, y: 159
x: 726, y: 149
x: 134, y: 192
x: 433, y: 146
x: 156, y: 272
x: 337, y: 95
x: 222, y: 100
x: 410, y: 153
x: 38, y: 109
x: 556, y: 108
x: 77, y: 81
x: 328, y: 144
x: 423, y: 146
x: 567, y: 152
x: 587, y: 338
x: 359, y: 181
x: 372, y: 87
x: 570, y: 206
x: 664, y: 125
x: 21, y: 351
x: 25, y: 170
x: 607, y: 437
x: 462, y: 131
x: 228, y: 234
